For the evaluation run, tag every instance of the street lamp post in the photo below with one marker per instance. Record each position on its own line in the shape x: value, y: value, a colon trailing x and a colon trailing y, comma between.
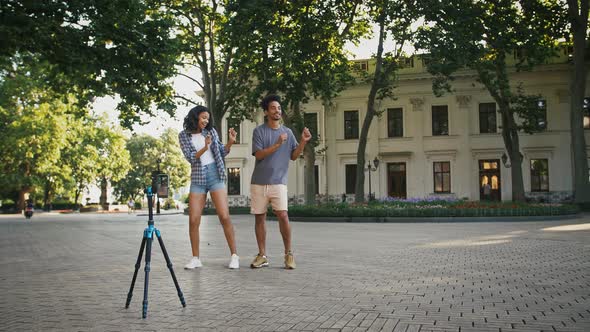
x: 158, y: 197
x: 370, y: 168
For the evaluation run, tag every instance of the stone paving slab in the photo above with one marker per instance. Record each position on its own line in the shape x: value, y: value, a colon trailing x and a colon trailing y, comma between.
x: 72, y: 273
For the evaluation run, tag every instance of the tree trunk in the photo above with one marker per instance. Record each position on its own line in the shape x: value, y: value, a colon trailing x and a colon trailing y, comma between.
x: 21, y: 197
x: 512, y: 144
x: 309, y: 176
x: 309, y: 184
x: 76, y: 197
x: 103, y: 193
x: 359, y: 188
x: 577, y: 90
x: 46, y: 194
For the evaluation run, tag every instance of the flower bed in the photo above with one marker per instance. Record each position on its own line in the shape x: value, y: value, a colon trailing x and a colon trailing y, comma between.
x: 431, y: 207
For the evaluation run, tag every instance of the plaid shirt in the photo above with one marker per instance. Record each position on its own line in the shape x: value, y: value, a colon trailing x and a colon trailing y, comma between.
x: 189, y: 151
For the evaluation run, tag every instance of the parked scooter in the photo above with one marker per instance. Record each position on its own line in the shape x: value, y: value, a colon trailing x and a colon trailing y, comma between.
x: 29, y: 210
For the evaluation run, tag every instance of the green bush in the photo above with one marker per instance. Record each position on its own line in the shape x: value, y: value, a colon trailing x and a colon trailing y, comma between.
x: 232, y: 210
x: 62, y: 205
x: 169, y: 203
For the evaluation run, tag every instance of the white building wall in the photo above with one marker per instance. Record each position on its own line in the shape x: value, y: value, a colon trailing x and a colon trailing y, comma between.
x: 418, y: 148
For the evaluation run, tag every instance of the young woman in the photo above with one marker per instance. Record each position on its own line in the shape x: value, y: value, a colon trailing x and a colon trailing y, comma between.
x: 202, y: 148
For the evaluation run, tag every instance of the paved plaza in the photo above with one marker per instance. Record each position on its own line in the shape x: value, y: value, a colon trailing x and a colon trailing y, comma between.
x: 72, y: 273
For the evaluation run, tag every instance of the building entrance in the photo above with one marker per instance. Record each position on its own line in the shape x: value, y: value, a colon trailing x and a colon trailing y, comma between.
x: 396, y: 180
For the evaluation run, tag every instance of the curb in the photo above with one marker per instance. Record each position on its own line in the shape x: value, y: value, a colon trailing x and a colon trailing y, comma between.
x: 429, y: 220
x: 156, y: 214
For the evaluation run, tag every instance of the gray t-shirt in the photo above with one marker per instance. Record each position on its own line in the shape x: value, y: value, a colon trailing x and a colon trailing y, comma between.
x: 272, y: 169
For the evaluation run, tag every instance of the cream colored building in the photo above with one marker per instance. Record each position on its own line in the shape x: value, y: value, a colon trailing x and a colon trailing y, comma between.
x: 427, y: 145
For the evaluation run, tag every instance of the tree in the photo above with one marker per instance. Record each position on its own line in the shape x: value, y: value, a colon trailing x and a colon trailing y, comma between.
x: 478, y: 35
x: 394, y: 20
x: 34, y: 124
x: 299, y: 53
x: 145, y: 152
x: 88, y: 153
x: 206, y: 48
x: 577, y: 15
x: 142, y: 152
x: 173, y: 162
x: 96, y: 48
x: 114, y: 160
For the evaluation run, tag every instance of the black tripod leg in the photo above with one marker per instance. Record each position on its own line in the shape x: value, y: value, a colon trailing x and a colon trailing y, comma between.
x: 137, y: 265
x: 169, y: 264
x: 148, y: 258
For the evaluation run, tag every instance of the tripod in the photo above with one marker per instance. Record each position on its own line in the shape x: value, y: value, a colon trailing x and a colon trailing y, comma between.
x: 146, y: 242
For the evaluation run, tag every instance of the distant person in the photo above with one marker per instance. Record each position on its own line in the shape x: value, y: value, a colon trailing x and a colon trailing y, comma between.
x: 131, y: 206
x: 273, y: 145
x: 202, y: 148
x: 487, y: 191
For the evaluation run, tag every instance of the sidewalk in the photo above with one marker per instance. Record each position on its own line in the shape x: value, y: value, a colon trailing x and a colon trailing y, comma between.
x: 71, y: 272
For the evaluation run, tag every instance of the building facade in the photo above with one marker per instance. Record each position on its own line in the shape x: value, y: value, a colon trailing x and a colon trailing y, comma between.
x: 427, y: 145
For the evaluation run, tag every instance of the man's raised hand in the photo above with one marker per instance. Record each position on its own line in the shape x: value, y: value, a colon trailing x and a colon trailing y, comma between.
x: 233, y: 135
x: 305, y: 135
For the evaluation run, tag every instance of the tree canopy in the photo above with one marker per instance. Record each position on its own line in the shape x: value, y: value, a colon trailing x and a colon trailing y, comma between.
x: 120, y: 47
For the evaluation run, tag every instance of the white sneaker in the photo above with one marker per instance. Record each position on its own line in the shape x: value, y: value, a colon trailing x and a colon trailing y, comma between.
x: 234, y: 263
x: 194, y: 262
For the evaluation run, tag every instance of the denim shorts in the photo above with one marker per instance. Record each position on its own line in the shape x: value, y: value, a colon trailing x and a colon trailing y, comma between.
x: 212, y: 178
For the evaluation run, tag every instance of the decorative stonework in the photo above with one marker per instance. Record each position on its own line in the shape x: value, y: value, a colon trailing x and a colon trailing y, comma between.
x: 452, y: 154
x: 330, y: 108
x: 417, y: 104
x: 464, y: 101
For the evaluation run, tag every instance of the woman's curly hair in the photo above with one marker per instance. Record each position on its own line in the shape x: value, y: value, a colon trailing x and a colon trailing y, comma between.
x: 191, y: 120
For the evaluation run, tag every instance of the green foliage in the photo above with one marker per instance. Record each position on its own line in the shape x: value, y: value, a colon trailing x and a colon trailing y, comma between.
x: 460, y: 34
x: 531, y: 109
x: 142, y: 152
x: 96, y: 48
x: 35, y: 127
x: 297, y: 49
x: 205, y: 47
x: 145, y: 152
x: 173, y: 162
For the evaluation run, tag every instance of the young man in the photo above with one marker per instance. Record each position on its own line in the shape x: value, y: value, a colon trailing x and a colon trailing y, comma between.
x: 273, y: 145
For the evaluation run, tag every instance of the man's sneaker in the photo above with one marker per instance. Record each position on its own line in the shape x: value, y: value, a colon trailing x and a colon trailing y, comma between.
x: 234, y: 262
x: 194, y: 263
x: 289, y: 261
x: 259, y: 261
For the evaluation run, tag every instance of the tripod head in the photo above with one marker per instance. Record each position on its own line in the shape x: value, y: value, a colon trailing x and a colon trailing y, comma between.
x: 159, y: 187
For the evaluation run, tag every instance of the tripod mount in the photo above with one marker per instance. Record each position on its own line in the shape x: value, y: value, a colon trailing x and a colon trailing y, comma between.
x: 146, y: 242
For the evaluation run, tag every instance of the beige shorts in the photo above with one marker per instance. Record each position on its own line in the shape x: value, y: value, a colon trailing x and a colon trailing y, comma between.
x: 261, y: 195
